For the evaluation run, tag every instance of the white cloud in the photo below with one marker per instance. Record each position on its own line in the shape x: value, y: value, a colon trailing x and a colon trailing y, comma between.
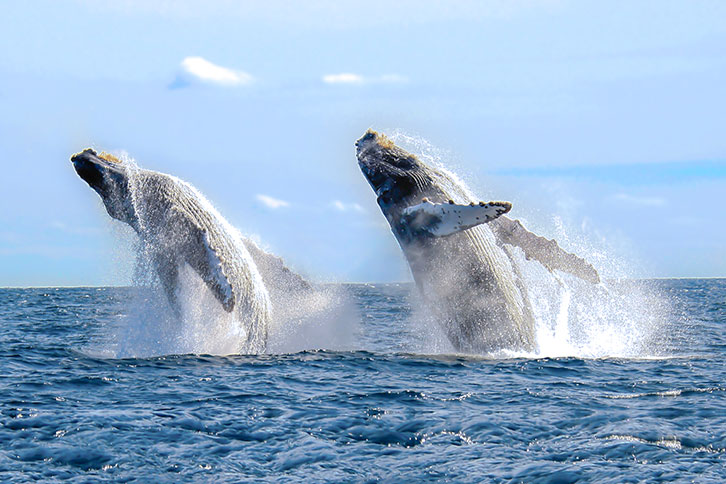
x: 343, y: 78
x: 357, y: 79
x: 206, y: 71
x: 273, y: 203
x: 346, y: 207
x: 635, y: 200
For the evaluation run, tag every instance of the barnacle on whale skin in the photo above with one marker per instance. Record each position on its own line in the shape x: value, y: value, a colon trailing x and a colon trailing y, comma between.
x: 109, y: 157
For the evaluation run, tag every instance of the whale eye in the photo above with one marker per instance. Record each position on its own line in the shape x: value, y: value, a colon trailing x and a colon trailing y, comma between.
x: 366, y: 137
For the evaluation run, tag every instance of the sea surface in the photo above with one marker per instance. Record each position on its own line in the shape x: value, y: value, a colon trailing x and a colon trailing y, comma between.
x: 378, y: 411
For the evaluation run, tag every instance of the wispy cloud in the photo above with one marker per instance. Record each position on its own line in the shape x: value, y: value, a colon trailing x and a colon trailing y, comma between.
x: 346, y: 207
x: 630, y: 174
x: 199, y: 68
x: 271, y: 202
x: 637, y: 200
x: 357, y: 79
x: 343, y: 78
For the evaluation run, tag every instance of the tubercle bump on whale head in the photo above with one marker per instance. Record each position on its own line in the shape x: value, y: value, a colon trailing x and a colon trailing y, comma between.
x: 108, y: 176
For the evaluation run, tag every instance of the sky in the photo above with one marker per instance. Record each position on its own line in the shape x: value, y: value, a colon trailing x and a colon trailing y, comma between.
x: 602, y: 122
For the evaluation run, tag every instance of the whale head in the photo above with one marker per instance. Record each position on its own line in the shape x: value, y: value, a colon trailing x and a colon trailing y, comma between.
x: 109, y: 177
x: 418, y: 200
x: 398, y: 177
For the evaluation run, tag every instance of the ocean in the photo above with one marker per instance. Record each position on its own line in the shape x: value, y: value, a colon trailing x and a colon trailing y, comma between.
x: 385, y: 402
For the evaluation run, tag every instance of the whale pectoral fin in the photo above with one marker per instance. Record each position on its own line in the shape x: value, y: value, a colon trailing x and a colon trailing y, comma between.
x: 546, y: 252
x: 442, y: 219
x: 167, y: 268
x: 205, y: 260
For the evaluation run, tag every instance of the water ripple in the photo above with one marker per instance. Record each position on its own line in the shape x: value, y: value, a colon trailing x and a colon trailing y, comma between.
x: 379, y: 413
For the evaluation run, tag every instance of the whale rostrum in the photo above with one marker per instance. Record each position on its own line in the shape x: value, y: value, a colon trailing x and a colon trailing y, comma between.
x: 177, y: 226
x: 459, y: 250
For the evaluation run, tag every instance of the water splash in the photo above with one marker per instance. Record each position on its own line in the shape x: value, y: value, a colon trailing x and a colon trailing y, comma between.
x: 619, y: 317
x: 616, y: 318
x: 198, y: 323
x: 325, y: 318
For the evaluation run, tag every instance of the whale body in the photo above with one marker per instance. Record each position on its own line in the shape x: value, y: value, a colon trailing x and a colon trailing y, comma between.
x: 178, y: 226
x: 458, y: 249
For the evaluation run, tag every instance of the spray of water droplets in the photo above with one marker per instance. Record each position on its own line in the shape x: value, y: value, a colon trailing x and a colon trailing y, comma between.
x: 303, y: 316
x: 619, y: 317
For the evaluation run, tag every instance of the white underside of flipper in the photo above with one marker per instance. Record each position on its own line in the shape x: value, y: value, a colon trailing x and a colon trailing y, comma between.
x: 197, y: 249
x: 442, y: 219
x: 215, y: 277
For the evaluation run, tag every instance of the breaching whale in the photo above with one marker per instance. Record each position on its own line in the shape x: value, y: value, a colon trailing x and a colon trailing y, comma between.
x: 458, y: 250
x: 178, y: 226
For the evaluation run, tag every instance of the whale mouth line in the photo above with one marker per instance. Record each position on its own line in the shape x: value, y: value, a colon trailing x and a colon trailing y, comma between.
x: 92, y: 166
x: 75, y: 157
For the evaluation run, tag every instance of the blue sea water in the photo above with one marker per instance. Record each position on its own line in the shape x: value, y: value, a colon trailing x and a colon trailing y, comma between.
x: 378, y: 412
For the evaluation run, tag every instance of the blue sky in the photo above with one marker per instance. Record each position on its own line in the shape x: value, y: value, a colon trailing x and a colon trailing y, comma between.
x: 603, y: 123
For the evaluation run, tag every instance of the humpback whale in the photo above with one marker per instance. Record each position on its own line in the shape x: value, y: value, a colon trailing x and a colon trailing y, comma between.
x: 178, y: 226
x: 459, y: 250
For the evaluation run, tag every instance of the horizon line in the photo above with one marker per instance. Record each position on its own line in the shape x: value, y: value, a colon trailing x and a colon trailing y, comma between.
x: 117, y: 286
